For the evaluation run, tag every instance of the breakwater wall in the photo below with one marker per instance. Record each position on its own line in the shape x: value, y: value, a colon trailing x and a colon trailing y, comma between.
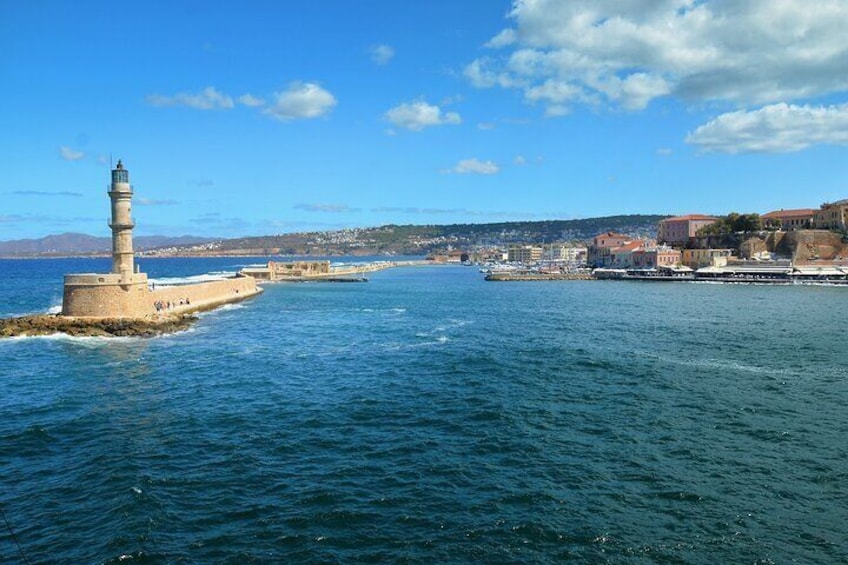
x: 184, y: 299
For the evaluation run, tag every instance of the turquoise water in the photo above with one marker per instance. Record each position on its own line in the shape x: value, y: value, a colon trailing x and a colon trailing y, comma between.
x: 428, y: 416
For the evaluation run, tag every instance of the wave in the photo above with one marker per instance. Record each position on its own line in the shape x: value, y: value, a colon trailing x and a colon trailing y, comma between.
x: 394, y: 310
x: 723, y: 365
x: 219, y: 309
x: 192, y: 279
x: 78, y: 339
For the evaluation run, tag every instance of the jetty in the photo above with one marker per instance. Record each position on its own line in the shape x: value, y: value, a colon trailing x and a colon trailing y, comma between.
x: 509, y: 276
x: 123, y: 301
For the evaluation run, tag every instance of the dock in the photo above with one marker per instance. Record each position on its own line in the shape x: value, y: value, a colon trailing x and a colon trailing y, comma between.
x: 509, y: 276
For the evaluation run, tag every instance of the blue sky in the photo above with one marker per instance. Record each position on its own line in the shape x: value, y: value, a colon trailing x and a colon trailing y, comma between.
x: 265, y: 117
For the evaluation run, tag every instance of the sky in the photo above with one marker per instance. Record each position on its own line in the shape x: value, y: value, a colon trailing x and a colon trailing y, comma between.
x: 266, y: 117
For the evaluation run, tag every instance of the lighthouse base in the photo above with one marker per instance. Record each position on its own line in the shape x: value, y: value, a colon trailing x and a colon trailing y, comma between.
x: 106, y: 295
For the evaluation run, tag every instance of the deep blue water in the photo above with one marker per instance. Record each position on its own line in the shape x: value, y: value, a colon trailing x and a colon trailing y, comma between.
x: 428, y: 416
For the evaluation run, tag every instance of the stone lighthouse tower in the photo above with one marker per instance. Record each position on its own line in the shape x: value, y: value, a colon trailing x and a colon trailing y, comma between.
x: 120, y: 193
x: 123, y: 292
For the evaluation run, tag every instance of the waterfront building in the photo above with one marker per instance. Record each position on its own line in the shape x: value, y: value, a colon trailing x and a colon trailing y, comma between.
x: 656, y: 257
x: 678, y: 229
x: 832, y: 216
x: 560, y: 252
x: 599, y: 253
x: 610, y: 239
x: 698, y: 258
x: 789, y: 219
x: 524, y: 253
x: 622, y: 256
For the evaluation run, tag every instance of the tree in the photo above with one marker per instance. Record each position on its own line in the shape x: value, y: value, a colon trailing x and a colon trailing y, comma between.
x: 733, y: 223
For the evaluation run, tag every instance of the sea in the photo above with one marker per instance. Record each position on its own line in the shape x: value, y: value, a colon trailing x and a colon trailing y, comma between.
x: 429, y: 416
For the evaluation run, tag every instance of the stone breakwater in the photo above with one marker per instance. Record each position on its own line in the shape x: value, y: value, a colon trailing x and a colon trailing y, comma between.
x: 44, y: 324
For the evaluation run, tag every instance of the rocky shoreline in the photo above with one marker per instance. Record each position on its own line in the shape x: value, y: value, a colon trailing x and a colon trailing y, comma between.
x: 46, y: 324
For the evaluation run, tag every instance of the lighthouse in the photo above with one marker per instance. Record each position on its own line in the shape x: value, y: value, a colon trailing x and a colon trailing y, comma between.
x: 124, y: 292
x: 122, y: 224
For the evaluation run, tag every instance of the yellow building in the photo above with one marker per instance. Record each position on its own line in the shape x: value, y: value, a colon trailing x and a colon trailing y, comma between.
x: 524, y: 253
x: 697, y: 258
x: 790, y: 219
x: 832, y: 216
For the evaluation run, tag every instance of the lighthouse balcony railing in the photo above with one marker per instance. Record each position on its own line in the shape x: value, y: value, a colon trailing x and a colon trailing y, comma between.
x: 128, y: 225
x: 110, y: 192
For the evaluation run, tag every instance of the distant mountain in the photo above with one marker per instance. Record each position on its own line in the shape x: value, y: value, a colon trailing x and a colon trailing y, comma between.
x: 82, y: 244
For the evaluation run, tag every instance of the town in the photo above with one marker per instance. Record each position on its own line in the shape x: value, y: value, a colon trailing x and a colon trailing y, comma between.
x: 801, y: 245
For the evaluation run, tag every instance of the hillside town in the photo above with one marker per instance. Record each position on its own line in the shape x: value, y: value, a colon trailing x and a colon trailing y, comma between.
x: 778, y: 246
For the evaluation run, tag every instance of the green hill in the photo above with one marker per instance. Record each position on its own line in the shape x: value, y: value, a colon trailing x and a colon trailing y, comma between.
x: 423, y: 239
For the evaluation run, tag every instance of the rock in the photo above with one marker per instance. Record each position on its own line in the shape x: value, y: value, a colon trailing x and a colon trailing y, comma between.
x: 100, y: 327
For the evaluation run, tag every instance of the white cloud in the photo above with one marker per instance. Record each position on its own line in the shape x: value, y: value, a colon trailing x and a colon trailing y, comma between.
x: 69, y: 154
x: 250, y: 101
x: 301, y: 101
x: 418, y: 115
x: 627, y: 54
x: 207, y: 99
x: 475, y: 166
x: 504, y: 38
x: 382, y: 54
x: 332, y: 208
x: 664, y: 151
x: 47, y: 193
x: 155, y: 202
x: 778, y: 128
x: 519, y: 160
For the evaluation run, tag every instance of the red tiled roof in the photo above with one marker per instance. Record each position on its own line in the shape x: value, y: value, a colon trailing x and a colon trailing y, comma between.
x: 785, y: 213
x: 633, y: 245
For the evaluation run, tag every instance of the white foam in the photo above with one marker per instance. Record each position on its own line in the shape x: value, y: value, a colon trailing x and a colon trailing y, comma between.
x: 192, y: 279
x: 79, y: 339
x: 722, y: 365
x: 222, y: 308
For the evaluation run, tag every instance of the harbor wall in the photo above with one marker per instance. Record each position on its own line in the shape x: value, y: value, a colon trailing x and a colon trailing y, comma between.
x: 201, y: 296
x: 106, y: 296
